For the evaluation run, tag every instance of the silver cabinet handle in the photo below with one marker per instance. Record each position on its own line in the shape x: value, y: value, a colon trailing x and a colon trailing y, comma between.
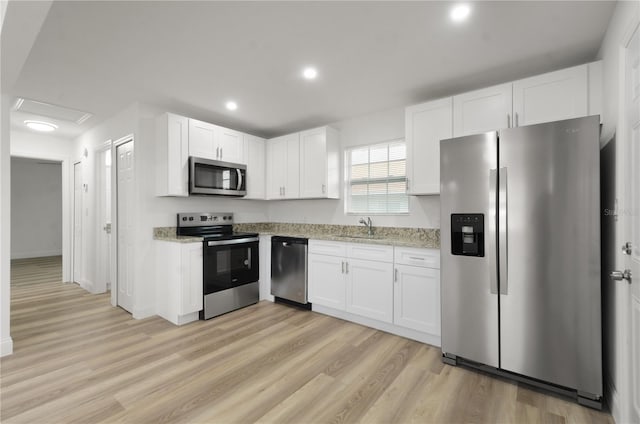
x: 508, y: 120
x: 347, y: 267
x: 416, y: 258
x: 343, y: 267
x: 502, y: 231
x: 323, y: 188
x: 217, y: 152
x: 516, y: 120
x: 395, y: 275
x: 621, y: 275
x: 491, y: 232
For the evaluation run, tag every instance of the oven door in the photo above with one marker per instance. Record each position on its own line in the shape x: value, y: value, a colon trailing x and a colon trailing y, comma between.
x: 229, y: 264
x: 215, y: 177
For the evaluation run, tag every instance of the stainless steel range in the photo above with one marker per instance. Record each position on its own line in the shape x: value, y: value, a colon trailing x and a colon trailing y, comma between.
x: 230, y: 261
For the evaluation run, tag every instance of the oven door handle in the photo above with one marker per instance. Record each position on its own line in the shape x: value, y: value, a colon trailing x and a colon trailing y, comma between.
x: 234, y: 241
x: 239, y: 179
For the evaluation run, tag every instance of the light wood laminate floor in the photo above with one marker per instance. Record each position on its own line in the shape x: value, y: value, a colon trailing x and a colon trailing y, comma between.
x: 78, y: 360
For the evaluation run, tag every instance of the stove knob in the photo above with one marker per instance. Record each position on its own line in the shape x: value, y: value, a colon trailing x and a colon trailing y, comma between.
x: 215, y: 218
x: 184, y: 218
x: 190, y: 218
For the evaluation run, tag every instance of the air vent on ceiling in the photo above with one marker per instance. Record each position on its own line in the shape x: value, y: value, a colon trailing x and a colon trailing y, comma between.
x: 51, y: 111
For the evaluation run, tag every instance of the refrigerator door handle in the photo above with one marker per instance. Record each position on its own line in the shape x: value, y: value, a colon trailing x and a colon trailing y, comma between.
x: 502, y: 231
x: 491, y: 233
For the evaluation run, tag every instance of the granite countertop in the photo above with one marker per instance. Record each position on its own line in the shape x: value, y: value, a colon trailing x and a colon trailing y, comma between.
x: 391, y: 236
x: 169, y: 234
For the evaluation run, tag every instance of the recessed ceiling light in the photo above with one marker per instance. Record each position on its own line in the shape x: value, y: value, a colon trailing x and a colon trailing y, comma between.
x: 460, y: 13
x: 310, y: 73
x: 231, y: 105
x: 40, y: 125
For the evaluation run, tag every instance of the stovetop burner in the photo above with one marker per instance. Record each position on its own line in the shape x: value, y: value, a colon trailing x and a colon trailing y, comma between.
x: 210, y: 225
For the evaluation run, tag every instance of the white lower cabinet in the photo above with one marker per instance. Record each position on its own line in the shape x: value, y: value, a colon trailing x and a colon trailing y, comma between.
x: 340, y: 279
x: 416, y: 292
x: 179, y: 280
x: 370, y: 289
x: 327, y: 282
x: 416, y: 298
x: 392, y: 289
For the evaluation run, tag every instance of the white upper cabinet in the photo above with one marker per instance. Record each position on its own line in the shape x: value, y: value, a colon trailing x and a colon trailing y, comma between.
x: 256, y: 175
x: 283, y: 167
x: 319, y: 163
x: 231, y: 145
x: 202, y: 140
x: 551, y: 97
x: 172, y: 155
x: 482, y: 110
x: 568, y: 93
x: 425, y: 125
x: 211, y: 141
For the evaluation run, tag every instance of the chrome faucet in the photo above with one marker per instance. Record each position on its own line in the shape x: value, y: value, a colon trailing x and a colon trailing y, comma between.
x: 367, y: 224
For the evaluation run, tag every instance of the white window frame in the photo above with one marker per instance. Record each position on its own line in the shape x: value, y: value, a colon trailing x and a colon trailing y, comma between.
x: 347, y: 180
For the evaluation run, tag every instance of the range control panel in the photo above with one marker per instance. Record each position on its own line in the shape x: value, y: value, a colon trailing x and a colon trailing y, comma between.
x: 200, y: 219
x: 467, y: 234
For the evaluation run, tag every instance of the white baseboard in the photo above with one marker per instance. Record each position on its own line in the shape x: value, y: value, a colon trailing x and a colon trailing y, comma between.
x: 378, y: 325
x: 142, y: 313
x: 6, y: 346
x: 36, y: 254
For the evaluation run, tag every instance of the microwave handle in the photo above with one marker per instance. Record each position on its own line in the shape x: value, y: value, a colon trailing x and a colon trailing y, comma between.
x: 239, y: 178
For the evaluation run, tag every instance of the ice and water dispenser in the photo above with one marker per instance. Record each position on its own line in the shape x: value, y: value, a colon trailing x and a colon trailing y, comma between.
x: 467, y: 234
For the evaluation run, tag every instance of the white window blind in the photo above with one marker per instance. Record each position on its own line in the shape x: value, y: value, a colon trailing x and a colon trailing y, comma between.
x: 377, y: 179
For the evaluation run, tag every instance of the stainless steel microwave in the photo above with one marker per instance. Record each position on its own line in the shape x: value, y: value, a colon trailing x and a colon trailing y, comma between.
x: 214, y: 177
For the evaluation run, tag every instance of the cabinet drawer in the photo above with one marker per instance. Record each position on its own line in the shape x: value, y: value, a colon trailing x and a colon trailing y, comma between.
x: 428, y: 258
x: 324, y: 247
x: 370, y: 252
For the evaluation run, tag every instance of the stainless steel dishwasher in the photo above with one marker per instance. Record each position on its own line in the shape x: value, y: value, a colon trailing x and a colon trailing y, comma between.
x: 289, y: 269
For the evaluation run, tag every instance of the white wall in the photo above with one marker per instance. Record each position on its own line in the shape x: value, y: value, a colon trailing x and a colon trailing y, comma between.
x: 424, y: 211
x: 616, y: 314
x: 36, y: 208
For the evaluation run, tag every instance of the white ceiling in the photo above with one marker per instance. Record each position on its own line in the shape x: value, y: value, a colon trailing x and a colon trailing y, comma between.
x: 191, y: 57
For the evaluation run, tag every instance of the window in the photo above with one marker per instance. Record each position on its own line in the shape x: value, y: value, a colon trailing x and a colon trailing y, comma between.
x: 377, y: 179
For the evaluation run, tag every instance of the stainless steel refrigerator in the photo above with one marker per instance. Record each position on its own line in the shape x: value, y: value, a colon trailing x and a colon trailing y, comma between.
x: 520, y: 254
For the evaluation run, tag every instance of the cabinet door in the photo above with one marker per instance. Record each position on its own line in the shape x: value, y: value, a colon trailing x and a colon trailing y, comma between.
x: 231, y: 146
x: 551, y: 97
x: 425, y: 125
x: 370, y: 289
x: 327, y: 285
x: 313, y: 163
x: 276, y: 167
x: 292, y: 183
x: 416, y: 298
x: 256, y: 160
x: 202, y: 140
x: 191, y: 282
x: 172, y: 155
x: 483, y: 110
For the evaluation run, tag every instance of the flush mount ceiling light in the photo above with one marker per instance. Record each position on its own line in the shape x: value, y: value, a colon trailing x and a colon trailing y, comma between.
x: 460, y: 13
x: 231, y: 105
x: 40, y: 125
x: 310, y: 73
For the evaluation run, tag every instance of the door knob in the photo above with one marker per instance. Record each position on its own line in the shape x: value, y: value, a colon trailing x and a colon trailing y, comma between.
x: 626, y: 248
x: 621, y: 275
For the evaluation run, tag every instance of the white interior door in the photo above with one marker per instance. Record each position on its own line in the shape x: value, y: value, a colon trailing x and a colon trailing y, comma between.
x: 77, y: 222
x: 631, y: 211
x: 103, y: 181
x: 125, y: 204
